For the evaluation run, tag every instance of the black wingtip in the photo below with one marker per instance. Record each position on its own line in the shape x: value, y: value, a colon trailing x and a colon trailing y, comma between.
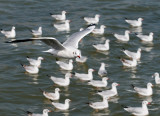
x: 87, y: 103
x: 48, y: 75
x: 126, y: 18
x: 136, y: 33
x: 99, y: 90
x: 132, y: 85
x: 21, y: 64
x: 50, y: 13
x: 73, y: 73
x: 28, y: 112
x: 91, y: 25
x: 27, y: 56
x: 50, y: 100
x: 41, y: 90
x: 124, y: 106
x: 123, y: 49
x: 1, y: 29
x: 57, y: 59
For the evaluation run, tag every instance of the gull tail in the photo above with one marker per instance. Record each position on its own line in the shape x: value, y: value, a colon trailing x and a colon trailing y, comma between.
x: 41, y: 90
x: 124, y: 106
x: 50, y: 13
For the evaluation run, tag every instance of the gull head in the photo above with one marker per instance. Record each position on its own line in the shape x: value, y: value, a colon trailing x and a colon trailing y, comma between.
x: 77, y: 53
x: 57, y: 89
x: 103, y: 26
x: 70, y: 61
x: 68, y: 75
x: 145, y: 102
x: 67, y: 100
x: 115, y: 84
x: 91, y: 70
x: 151, y: 33
x: 13, y: 28
x: 156, y: 74
x: 139, y: 49
x: 105, y: 78
x: 97, y: 15
x: 64, y: 12
x: 45, y: 111
x: 140, y: 19
x: 149, y: 85
x: 127, y: 32
x: 40, y: 58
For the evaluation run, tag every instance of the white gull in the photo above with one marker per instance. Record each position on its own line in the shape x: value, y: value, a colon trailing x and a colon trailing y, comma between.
x: 9, y: 34
x: 61, y: 106
x: 65, y: 66
x: 124, y: 37
x: 134, y: 55
x: 99, y: 31
x: 94, y: 20
x: 63, y: 27
x: 37, y: 33
x: 157, y: 79
x: 146, y: 38
x: 45, y: 113
x: 102, y: 47
x: 98, y: 83
x: 69, y: 49
x: 31, y: 69
x: 59, y: 17
x: 102, y: 71
x: 135, y: 23
x: 35, y: 62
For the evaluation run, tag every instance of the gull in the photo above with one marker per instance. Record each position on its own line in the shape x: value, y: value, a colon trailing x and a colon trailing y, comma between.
x: 34, y: 62
x: 109, y: 93
x: 129, y: 63
x: 52, y: 96
x: 63, y: 27
x: 135, y: 23
x: 9, y: 34
x: 65, y: 66
x: 97, y: 83
x: 31, y: 69
x: 91, y: 20
x: 157, y: 79
x: 59, y: 17
x: 37, y: 33
x: 133, y: 55
x: 102, y: 71
x: 85, y: 77
x: 100, y: 105
x: 102, y: 47
x: 124, y: 37
x: 82, y: 59
x: 146, y: 38
x: 61, y: 106
x: 99, y: 31
x: 61, y: 81
x: 45, y: 113
x: 138, y: 111
x: 69, y: 49
x: 144, y: 91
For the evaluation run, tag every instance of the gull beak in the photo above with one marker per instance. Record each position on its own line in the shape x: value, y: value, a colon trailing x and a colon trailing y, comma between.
x: 78, y: 56
x: 118, y: 85
x: 149, y: 102
x: 50, y: 111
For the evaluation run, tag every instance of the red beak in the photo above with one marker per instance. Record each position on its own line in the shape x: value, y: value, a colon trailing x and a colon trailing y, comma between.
x: 78, y: 56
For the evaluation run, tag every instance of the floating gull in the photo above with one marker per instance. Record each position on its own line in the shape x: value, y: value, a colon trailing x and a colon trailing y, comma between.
x: 82, y: 59
x: 100, y: 105
x: 31, y: 69
x: 134, y: 55
x: 146, y: 38
x: 94, y: 20
x: 102, y: 47
x: 65, y: 66
x: 34, y: 62
x: 157, y: 79
x: 97, y: 83
x: 138, y: 111
x: 9, y: 34
x: 61, y: 106
x: 135, y: 23
x: 45, y: 113
x: 85, y: 77
x: 59, y: 17
x: 99, y: 31
x: 102, y: 71
x: 144, y: 91
x: 109, y: 93
x: 52, y: 96
x: 63, y: 27
x: 37, y: 33
x: 61, y: 81
x: 124, y: 37
x: 129, y: 63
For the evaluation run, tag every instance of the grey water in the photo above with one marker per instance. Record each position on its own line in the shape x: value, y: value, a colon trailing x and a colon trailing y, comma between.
x: 19, y: 91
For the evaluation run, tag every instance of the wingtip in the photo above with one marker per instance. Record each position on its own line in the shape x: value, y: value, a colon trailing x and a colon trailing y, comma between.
x: 91, y: 25
x: 28, y: 112
x: 123, y: 49
x: 50, y: 100
x: 48, y: 75
x: 126, y: 18
x: 27, y: 56
x: 41, y: 90
x: 124, y: 106
x: 50, y: 13
x: 132, y: 85
x: 21, y: 64
x: 73, y: 73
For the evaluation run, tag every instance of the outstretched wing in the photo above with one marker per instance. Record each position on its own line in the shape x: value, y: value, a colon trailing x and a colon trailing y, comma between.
x: 74, y: 39
x: 54, y: 43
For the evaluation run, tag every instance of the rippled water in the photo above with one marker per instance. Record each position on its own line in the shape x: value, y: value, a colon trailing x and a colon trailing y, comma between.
x: 20, y: 91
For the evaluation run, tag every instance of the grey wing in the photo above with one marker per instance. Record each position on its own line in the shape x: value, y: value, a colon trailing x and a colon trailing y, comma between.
x: 74, y: 39
x: 141, y: 90
x: 54, y: 43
